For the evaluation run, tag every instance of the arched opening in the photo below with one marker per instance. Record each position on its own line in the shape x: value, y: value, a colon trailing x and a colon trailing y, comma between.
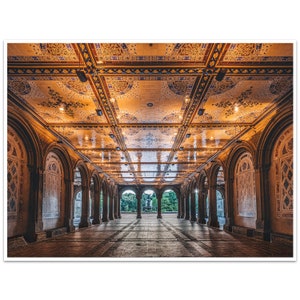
x: 244, y: 192
x: 149, y: 202
x: 53, y: 193
x: 169, y: 202
x: 128, y: 203
x: 77, y: 198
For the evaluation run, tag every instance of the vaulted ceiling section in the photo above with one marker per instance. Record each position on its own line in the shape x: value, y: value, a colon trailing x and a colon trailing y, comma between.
x: 150, y: 113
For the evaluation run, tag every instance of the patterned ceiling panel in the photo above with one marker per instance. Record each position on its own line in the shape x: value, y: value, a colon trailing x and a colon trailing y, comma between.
x: 151, y: 129
x: 251, y: 52
x: 240, y: 99
x: 43, y: 52
x: 154, y: 52
x: 150, y: 99
x: 57, y: 100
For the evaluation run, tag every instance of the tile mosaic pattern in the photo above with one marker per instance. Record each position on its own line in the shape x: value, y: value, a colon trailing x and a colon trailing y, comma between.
x: 149, y: 95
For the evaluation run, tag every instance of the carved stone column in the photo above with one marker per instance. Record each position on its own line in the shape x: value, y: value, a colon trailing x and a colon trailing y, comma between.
x: 213, y: 218
x: 111, y: 205
x: 229, y: 204
x: 193, y: 207
x: 139, y: 205
x: 119, y: 205
x: 187, y: 206
x: 263, y: 226
x: 96, y: 213
x: 85, y: 218
x: 201, y: 207
x: 179, y: 206
x: 159, y: 196
x: 35, y: 224
x: 116, y: 204
x: 69, y: 213
x: 105, y: 206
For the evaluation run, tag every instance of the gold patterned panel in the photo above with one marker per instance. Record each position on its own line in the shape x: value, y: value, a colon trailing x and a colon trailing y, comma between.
x: 139, y: 52
x: 42, y: 52
x: 244, y: 102
x: 58, y: 100
x: 258, y: 52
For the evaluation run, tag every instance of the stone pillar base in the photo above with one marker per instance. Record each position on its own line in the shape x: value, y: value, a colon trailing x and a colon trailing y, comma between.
x: 159, y: 216
x: 213, y: 223
x: 96, y: 221
x: 201, y: 221
x: 84, y: 224
x: 193, y: 219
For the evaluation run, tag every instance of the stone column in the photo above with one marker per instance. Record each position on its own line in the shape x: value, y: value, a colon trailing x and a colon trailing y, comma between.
x: 229, y: 204
x: 69, y: 213
x: 263, y: 226
x: 111, y: 205
x: 213, y: 218
x: 35, y: 224
x: 96, y: 213
x: 116, y: 206
x: 139, y: 205
x: 187, y: 206
x: 40, y: 234
x: 201, y: 207
x: 193, y: 207
x: 159, y: 196
x: 119, y: 205
x: 105, y: 206
x: 179, y: 206
x: 85, y: 218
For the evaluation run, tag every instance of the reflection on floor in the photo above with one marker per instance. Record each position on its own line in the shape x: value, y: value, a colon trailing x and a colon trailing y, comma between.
x: 151, y: 237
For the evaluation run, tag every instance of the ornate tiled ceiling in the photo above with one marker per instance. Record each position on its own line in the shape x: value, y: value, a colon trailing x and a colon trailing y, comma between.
x: 150, y: 131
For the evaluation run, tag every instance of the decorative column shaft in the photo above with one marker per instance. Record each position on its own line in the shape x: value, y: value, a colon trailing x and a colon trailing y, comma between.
x: 116, y: 206
x: 111, y: 206
x: 105, y: 206
x: 139, y: 206
x: 96, y: 213
x: 187, y: 206
x: 193, y: 207
x: 85, y: 218
x: 201, y: 207
x: 159, y: 196
x: 69, y: 213
x: 213, y: 218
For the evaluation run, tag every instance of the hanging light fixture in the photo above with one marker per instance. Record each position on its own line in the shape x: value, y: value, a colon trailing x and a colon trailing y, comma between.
x: 201, y: 111
x: 99, y: 112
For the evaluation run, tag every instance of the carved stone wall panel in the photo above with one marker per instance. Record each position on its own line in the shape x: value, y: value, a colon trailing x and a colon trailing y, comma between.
x: 281, y: 183
x: 17, y: 184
